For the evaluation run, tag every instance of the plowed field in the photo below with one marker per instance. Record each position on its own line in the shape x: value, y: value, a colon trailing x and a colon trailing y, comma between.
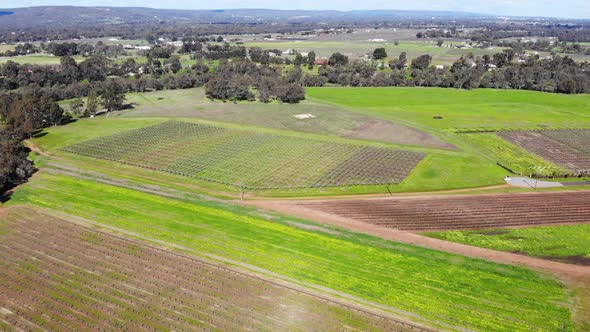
x: 463, y: 212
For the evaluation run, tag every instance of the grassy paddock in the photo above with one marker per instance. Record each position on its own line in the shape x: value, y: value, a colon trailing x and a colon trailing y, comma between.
x: 461, y: 108
x: 567, y: 243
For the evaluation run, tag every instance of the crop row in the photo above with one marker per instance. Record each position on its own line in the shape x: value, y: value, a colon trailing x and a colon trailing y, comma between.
x: 249, y: 159
x: 59, y: 276
x: 469, y: 212
x: 512, y: 157
x: 567, y: 148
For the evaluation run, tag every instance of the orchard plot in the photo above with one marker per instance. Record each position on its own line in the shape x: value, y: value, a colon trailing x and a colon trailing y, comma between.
x: 250, y: 159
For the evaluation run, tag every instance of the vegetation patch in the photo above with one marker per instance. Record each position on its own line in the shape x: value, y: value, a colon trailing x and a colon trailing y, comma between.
x: 250, y: 159
x: 567, y: 243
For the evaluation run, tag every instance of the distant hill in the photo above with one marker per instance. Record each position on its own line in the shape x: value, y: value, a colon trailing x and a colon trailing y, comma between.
x: 59, y: 16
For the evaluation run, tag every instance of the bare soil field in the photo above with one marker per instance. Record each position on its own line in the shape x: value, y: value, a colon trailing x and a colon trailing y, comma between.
x: 462, y: 212
x: 84, y: 279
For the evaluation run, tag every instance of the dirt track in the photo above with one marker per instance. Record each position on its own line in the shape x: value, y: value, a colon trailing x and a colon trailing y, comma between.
x: 292, y: 208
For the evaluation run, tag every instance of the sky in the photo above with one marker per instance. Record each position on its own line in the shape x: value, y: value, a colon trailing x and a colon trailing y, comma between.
x: 547, y: 8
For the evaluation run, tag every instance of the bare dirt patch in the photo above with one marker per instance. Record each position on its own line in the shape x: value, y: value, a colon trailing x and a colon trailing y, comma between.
x: 383, y: 131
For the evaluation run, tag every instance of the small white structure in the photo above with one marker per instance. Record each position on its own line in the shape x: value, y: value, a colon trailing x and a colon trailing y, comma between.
x: 304, y: 116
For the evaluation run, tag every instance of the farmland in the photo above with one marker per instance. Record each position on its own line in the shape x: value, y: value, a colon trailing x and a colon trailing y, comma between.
x: 564, y: 243
x: 461, y: 108
x: 407, y: 278
x: 462, y: 212
x: 327, y: 120
x: 567, y: 148
x: 481, y: 118
x: 510, y: 156
x: 357, y: 49
x: 250, y: 159
x: 294, y: 170
x: 59, y: 275
x: 539, y: 153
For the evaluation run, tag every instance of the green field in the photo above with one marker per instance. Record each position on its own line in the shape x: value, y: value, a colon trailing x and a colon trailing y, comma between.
x: 461, y: 108
x: 402, y: 116
x: 565, y: 243
x: 446, y: 290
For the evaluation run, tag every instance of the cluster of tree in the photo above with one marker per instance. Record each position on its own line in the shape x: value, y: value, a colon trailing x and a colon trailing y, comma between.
x: 225, y: 51
x: 190, y: 46
x: 272, y: 56
x: 563, y: 32
x: 558, y: 74
x: 158, y: 52
x: 450, y: 32
x: 544, y: 45
x: 22, y: 49
x: 15, y: 167
x: 69, y: 72
x: 20, y: 116
x: 71, y: 49
x: 244, y: 80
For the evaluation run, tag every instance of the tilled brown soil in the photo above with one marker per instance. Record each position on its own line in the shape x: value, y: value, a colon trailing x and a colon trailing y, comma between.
x: 462, y: 212
x: 55, y: 275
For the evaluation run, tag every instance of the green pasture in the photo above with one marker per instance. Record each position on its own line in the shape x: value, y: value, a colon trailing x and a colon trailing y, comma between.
x: 461, y: 108
x: 568, y: 243
x: 445, y: 290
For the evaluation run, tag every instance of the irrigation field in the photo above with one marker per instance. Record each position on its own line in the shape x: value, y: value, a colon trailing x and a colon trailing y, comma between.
x: 464, y: 212
x: 540, y: 153
x: 250, y: 159
x: 55, y: 275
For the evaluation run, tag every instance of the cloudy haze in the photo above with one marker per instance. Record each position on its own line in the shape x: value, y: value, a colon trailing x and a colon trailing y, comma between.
x: 549, y: 8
